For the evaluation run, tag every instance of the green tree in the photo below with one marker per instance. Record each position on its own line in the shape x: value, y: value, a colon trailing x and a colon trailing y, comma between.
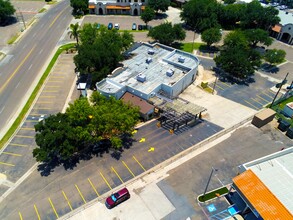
x: 229, y: 1
x: 6, y: 10
x: 200, y: 14
x: 166, y: 33
x: 237, y: 58
x: 79, y: 6
x: 147, y: 15
x: 74, y: 32
x: 229, y: 16
x: 275, y: 56
x: 210, y: 36
x: 159, y: 5
x: 255, y: 36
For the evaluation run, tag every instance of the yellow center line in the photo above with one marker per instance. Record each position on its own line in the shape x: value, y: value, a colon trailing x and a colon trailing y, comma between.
x: 139, y: 163
x: 257, y: 101
x: 51, y: 203
x: 105, y: 180
x: 80, y: 193
x: 262, y: 98
x: 12, y: 154
x: 67, y: 200
x: 20, y: 216
x: 18, y: 145
x: 94, y: 188
x: 23, y: 136
x: 39, y: 217
x: 15, y: 71
x: 31, y: 129
x: 128, y: 168
x: 7, y: 164
x: 251, y: 104
x: 57, y: 17
x: 117, y: 174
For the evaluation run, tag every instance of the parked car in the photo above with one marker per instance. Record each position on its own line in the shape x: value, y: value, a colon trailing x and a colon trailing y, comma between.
x: 116, y: 26
x: 117, y: 198
x: 140, y: 27
x: 110, y: 26
x: 134, y: 26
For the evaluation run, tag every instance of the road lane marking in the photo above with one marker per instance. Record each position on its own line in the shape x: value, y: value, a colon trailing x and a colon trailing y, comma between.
x: 67, y: 200
x: 226, y: 84
x: 50, y: 91
x: 24, y: 136
x: 267, y: 95
x: 46, y: 96
x: 18, y: 145
x: 41, y: 51
x: 57, y: 17
x: 17, y: 85
x: 117, y: 175
x: 37, y: 212
x: 94, y: 188
x: 17, y: 68
x: 257, y: 101
x: 220, y: 87
x: 139, y: 163
x: 262, y: 98
x: 20, y: 216
x: 31, y: 129
x: 2, y: 109
x: 44, y: 102
x: 105, y: 180
x: 7, y: 164
x: 57, y: 77
x: 271, y: 92
x: 51, y: 203
x: 80, y: 193
x: 128, y: 168
x: 251, y: 104
x: 12, y: 154
x: 30, y: 66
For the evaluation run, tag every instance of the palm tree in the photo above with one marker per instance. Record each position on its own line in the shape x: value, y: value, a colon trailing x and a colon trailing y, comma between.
x: 74, y: 32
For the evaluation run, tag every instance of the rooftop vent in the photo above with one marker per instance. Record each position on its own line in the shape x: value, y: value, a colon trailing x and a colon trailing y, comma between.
x: 181, y: 59
x: 141, y: 78
x: 151, y: 51
x: 170, y: 72
x: 149, y: 60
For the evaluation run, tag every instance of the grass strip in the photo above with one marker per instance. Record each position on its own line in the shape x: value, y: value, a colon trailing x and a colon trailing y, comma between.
x: 31, y: 99
x: 213, y: 194
x: 278, y: 107
x: 13, y: 39
x: 42, y: 10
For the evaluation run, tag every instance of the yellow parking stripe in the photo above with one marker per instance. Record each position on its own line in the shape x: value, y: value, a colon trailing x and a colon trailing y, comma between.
x: 30, y: 129
x: 272, y: 92
x: 7, y: 164
x: 267, y: 95
x: 257, y: 101
x: 226, y: 84
x: 80, y: 193
x: 20, y: 216
x: 139, y: 163
x: 117, y: 174
x: 128, y: 168
x: 24, y: 136
x: 51, y: 203
x: 39, y: 218
x: 250, y: 104
x: 67, y: 200
x: 18, y: 145
x: 94, y: 188
x: 219, y: 87
x: 105, y: 180
x: 12, y: 154
x: 262, y: 98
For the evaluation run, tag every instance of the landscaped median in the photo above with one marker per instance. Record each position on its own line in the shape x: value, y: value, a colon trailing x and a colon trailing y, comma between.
x: 31, y: 99
x: 213, y: 194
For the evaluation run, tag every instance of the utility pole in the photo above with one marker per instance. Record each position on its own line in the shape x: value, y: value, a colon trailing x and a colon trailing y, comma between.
x: 282, y: 83
x: 193, y: 41
x: 22, y: 18
x: 213, y: 169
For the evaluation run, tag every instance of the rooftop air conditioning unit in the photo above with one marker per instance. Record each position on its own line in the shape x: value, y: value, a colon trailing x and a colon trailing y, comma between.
x: 181, y: 59
x: 151, y: 52
x: 149, y: 60
x: 141, y: 78
x: 170, y: 72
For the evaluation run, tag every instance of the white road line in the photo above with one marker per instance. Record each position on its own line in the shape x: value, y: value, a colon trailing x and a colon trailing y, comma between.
x: 41, y: 51
x: 34, y: 34
x: 24, y: 46
x: 2, y: 109
x: 30, y: 67
x: 17, y: 85
x: 42, y: 25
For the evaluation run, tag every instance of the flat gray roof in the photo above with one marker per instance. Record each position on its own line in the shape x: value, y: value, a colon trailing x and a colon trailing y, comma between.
x: 276, y: 172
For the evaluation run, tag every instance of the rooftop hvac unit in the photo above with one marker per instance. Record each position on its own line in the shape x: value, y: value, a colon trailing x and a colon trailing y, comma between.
x: 181, y: 59
x: 141, y: 78
x: 283, y: 125
x: 170, y: 72
x: 151, y: 52
x: 149, y: 60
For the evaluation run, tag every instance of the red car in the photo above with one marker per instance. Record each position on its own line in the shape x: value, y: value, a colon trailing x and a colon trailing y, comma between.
x: 117, y: 198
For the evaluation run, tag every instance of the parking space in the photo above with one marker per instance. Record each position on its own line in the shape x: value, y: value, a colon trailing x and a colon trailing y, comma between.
x: 255, y: 95
x: 16, y: 158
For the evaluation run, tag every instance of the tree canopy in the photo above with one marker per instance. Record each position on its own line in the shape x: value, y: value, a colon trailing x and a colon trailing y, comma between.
x: 79, y: 6
x: 100, y: 50
x: 147, y: 15
x: 74, y: 32
x: 159, y: 5
x: 212, y: 35
x: 275, y: 56
x: 166, y: 33
x: 255, y: 36
x: 64, y: 135
x: 6, y: 10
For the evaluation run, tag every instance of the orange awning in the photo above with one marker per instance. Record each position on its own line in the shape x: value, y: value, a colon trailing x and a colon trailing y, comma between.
x: 92, y: 6
x: 276, y: 28
x: 260, y: 197
x: 117, y: 7
x: 143, y: 7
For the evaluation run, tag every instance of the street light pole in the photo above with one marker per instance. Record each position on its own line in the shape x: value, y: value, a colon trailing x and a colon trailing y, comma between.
x: 193, y: 41
x: 213, y: 169
x: 282, y: 83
